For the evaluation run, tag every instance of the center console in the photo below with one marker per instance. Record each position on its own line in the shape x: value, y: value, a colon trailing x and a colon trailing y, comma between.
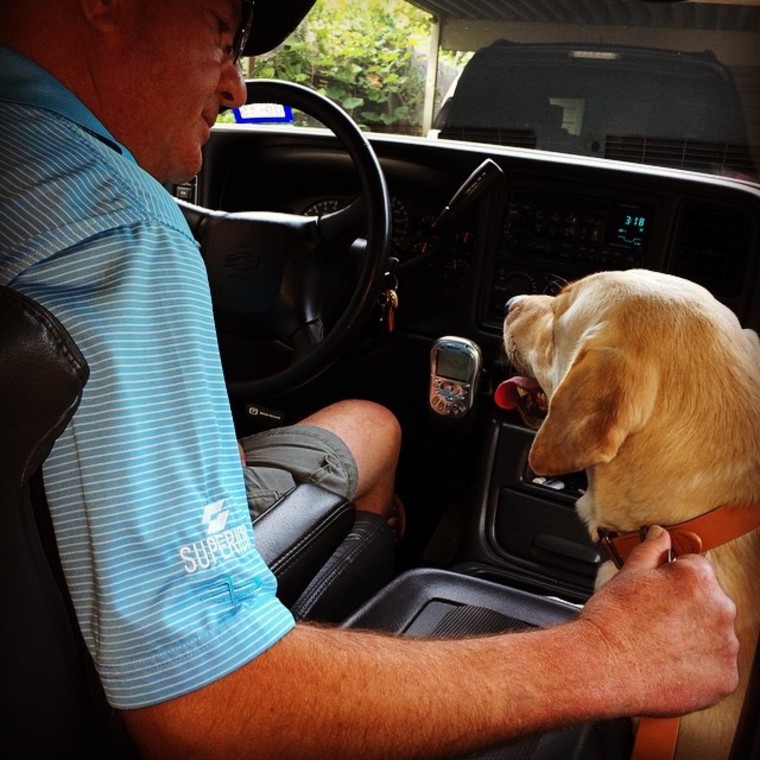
x: 527, y: 533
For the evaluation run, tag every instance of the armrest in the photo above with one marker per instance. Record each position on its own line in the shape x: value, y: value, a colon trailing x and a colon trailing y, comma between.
x: 299, y: 533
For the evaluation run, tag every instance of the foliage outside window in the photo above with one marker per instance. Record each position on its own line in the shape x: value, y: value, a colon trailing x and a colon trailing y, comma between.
x: 368, y: 57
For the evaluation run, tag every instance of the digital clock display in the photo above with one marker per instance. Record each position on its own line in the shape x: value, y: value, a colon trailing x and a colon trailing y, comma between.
x: 629, y: 227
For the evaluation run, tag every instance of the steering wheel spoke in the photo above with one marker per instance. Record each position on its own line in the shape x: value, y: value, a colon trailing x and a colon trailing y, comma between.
x: 339, y: 229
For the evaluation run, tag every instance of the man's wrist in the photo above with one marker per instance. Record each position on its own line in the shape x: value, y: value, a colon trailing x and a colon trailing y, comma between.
x: 576, y: 676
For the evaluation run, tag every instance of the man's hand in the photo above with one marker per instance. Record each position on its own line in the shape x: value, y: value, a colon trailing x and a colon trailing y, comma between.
x: 668, y: 628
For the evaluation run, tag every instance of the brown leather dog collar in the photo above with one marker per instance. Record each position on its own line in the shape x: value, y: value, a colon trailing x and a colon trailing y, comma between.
x: 700, y: 534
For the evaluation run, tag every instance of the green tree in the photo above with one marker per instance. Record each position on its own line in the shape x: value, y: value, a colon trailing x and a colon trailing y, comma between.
x: 368, y: 56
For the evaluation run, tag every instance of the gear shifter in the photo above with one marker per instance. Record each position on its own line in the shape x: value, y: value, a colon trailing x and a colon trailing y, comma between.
x: 472, y: 188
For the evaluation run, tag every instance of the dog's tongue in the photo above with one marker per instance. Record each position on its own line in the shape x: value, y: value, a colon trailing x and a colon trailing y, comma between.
x: 507, y: 394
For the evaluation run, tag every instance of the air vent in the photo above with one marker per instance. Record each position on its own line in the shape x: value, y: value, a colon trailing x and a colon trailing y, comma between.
x: 711, y: 247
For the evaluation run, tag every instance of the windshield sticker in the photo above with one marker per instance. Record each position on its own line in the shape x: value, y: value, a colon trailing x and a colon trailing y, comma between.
x: 263, y: 113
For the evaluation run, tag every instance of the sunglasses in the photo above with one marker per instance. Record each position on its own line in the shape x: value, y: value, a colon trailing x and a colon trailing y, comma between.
x: 244, y: 31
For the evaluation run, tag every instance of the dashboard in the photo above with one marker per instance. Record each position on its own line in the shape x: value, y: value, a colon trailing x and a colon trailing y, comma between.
x: 549, y: 219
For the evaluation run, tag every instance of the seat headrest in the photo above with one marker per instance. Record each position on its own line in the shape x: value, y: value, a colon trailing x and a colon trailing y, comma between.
x: 42, y: 374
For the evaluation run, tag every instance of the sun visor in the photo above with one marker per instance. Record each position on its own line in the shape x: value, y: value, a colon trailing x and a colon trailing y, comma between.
x: 273, y: 21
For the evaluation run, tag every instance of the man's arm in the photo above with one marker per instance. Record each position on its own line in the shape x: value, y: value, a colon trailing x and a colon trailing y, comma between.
x: 321, y: 692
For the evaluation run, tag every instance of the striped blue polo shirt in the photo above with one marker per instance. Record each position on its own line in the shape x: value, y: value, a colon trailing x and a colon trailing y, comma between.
x: 145, y: 485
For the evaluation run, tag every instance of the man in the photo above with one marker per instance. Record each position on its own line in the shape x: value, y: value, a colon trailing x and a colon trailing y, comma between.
x: 101, y: 101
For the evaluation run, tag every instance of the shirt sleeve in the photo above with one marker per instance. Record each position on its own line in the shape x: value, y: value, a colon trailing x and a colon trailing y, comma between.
x: 145, y: 486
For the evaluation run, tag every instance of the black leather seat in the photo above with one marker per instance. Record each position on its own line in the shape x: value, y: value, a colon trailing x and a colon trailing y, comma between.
x: 328, y: 557
x: 49, y: 708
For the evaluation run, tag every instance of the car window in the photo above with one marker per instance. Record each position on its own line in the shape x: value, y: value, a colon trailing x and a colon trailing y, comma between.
x: 663, y: 83
x: 663, y: 107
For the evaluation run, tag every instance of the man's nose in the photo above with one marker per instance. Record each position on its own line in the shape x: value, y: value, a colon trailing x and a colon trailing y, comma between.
x: 232, y: 86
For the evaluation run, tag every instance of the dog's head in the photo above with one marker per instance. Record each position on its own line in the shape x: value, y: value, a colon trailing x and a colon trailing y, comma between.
x: 607, y: 351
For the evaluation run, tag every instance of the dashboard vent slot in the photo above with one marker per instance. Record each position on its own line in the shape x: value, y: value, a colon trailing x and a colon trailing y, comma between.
x: 711, y: 247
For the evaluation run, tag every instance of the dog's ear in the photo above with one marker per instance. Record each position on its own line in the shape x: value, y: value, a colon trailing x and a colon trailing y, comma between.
x: 599, y: 402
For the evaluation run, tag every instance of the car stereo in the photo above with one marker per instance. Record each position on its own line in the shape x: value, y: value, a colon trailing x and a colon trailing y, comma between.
x: 550, y: 238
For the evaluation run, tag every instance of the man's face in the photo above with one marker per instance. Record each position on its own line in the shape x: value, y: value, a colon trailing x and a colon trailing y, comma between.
x: 177, y: 72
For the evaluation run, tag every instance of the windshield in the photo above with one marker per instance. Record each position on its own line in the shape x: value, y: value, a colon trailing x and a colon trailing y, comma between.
x: 662, y: 83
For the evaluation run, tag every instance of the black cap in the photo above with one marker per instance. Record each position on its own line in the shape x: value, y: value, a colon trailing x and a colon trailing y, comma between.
x: 273, y: 21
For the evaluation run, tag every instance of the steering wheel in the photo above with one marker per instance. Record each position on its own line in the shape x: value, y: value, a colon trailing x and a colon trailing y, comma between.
x: 271, y: 272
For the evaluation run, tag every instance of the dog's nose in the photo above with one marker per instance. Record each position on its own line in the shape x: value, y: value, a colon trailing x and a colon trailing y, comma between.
x: 513, y: 302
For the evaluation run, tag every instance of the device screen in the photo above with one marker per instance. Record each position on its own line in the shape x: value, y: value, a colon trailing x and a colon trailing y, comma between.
x: 453, y: 364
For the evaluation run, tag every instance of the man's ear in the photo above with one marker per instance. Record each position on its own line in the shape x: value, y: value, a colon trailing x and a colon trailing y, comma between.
x: 599, y: 402
x: 101, y: 14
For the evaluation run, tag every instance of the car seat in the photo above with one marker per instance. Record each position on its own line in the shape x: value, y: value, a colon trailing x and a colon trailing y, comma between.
x: 51, y: 703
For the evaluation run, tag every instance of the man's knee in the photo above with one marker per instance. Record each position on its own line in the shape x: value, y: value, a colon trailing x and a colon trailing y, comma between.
x: 361, y: 425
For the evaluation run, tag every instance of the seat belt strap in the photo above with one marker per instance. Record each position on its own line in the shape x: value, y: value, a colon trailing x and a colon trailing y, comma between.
x: 656, y: 739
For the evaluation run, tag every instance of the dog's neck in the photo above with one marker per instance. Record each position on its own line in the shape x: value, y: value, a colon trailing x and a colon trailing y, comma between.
x: 671, y: 485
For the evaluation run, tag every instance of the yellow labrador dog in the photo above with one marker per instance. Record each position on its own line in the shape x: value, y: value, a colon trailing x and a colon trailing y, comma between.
x: 653, y: 388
